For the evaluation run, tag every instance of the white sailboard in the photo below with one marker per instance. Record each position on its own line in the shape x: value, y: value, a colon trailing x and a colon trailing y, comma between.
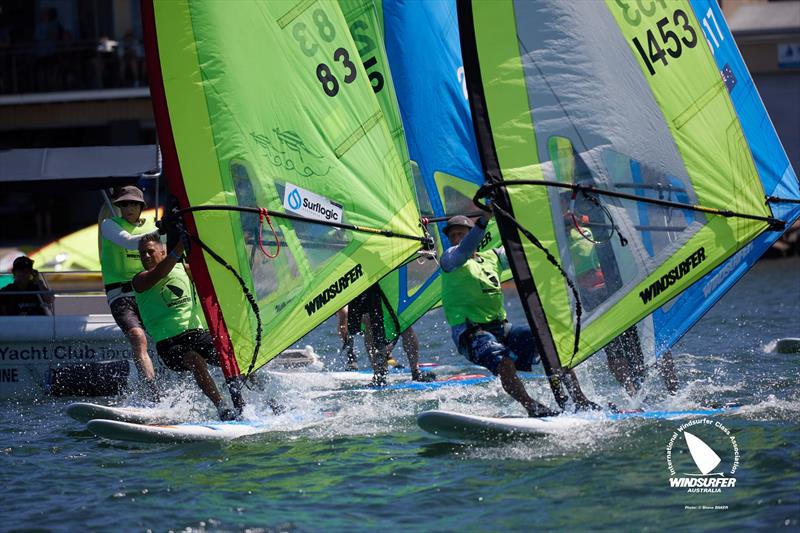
x: 85, y: 411
x: 460, y: 426
x: 201, y: 431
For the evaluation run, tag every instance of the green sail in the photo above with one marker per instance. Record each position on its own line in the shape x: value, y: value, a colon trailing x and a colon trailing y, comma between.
x: 563, y: 92
x: 269, y: 105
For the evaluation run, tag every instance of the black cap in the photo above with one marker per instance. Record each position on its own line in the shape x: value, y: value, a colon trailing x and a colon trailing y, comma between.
x: 458, y: 220
x: 22, y: 263
x: 128, y: 193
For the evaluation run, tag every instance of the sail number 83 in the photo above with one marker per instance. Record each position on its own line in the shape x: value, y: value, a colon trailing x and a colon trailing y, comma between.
x: 309, y: 46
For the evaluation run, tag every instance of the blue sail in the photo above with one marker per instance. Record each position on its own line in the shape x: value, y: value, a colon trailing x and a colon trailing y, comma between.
x: 673, y: 320
x: 429, y: 82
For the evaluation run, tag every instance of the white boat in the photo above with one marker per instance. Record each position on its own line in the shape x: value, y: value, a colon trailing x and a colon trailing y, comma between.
x: 77, y: 350
x: 80, y: 351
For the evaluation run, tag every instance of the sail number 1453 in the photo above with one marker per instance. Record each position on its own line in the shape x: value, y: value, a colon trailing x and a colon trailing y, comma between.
x: 669, y: 38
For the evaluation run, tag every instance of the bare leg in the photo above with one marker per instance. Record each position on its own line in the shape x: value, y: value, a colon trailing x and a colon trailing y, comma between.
x: 351, y: 362
x: 619, y: 368
x: 142, y: 361
x: 411, y: 347
x: 341, y: 316
x: 199, y: 369
x: 581, y: 401
x: 516, y: 389
x: 626, y: 361
x: 667, y: 368
x: 138, y: 342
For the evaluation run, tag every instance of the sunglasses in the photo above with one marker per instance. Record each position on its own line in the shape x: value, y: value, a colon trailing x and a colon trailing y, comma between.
x: 127, y: 204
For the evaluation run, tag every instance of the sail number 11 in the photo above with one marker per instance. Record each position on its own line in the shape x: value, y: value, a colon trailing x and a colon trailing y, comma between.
x: 673, y: 43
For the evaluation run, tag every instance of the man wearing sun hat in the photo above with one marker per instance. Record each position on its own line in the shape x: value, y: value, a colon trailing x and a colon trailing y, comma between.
x: 474, y: 307
x: 119, y: 259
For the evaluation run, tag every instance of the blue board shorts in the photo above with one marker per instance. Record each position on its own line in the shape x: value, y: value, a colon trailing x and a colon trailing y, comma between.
x: 488, y: 344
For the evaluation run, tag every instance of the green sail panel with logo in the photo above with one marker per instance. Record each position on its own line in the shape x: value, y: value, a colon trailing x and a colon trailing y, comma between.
x: 560, y: 92
x: 269, y: 105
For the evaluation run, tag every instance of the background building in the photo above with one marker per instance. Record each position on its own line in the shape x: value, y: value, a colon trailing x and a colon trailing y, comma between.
x: 72, y: 73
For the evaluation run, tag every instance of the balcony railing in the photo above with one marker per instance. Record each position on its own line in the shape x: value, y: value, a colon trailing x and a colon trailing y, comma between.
x: 71, y: 66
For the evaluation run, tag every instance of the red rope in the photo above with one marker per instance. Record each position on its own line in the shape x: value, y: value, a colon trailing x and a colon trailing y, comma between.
x: 264, y: 214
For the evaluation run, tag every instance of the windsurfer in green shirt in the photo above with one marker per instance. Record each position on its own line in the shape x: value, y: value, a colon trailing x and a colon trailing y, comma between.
x: 624, y: 353
x: 119, y: 260
x: 474, y: 307
x: 172, y: 316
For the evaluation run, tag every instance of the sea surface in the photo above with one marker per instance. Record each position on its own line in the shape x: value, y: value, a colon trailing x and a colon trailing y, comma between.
x: 368, y: 467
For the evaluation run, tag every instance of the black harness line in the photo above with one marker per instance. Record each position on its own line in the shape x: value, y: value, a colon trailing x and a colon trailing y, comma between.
x: 775, y: 224
x: 534, y: 241
x: 176, y: 217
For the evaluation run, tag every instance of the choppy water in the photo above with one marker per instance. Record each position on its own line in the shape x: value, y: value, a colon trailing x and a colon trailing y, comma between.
x: 369, y: 467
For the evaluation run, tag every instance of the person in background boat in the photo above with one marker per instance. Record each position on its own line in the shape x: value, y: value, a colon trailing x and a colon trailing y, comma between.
x: 119, y: 260
x: 172, y: 316
x: 26, y: 279
x: 474, y: 307
x: 367, y: 310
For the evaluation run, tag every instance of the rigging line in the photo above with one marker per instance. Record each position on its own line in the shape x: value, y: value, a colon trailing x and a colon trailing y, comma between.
x: 774, y: 223
x: 290, y: 216
x: 262, y: 215
x: 248, y: 295
x: 652, y: 187
x: 622, y: 240
x: 532, y: 238
x: 779, y: 200
x: 638, y: 227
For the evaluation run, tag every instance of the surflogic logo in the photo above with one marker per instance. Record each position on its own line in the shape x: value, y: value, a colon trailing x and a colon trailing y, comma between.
x: 294, y: 200
x: 312, y: 205
x: 705, y: 457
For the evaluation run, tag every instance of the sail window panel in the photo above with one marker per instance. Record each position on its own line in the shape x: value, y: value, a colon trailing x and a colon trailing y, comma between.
x: 597, y: 122
x: 420, y: 271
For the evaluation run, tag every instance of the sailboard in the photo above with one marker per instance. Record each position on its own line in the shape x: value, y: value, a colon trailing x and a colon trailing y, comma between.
x: 462, y: 426
x: 85, y: 411
x: 632, y: 168
x: 196, y: 432
x: 284, y: 164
